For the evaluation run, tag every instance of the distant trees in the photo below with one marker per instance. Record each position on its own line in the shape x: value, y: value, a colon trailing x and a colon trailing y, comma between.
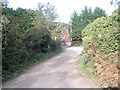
x: 98, y: 13
x: 60, y: 27
x: 50, y: 14
x: 75, y: 26
x: 49, y: 18
x: 80, y: 21
x: 115, y: 2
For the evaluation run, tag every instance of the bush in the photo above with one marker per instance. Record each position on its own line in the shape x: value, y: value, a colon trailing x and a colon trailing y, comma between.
x: 36, y: 42
x: 54, y: 45
x: 102, y: 35
x: 37, y: 39
x: 100, y: 57
x: 22, y: 42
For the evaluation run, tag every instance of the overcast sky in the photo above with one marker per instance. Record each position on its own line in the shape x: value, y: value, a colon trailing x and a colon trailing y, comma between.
x: 65, y: 7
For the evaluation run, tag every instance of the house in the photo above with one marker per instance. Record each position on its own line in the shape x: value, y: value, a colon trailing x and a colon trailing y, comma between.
x: 65, y: 38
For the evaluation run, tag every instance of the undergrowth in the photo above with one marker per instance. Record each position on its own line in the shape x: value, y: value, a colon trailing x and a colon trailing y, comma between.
x: 32, y: 62
x: 76, y: 43
x: 86, y: 67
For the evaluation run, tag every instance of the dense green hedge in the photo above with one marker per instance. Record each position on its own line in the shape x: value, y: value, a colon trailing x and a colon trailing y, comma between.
x: 102, y: 35
x: 101, y: 41
x: 22, y: 41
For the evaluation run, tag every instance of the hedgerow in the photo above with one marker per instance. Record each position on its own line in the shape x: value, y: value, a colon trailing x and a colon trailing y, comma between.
x: 23, y: 43
x: 102, y: 35
x: 101, y: 42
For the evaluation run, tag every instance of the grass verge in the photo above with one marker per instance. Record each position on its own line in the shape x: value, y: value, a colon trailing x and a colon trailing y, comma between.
x: 85, y: 67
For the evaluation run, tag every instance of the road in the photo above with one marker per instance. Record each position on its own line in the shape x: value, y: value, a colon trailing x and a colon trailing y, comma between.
x: 61, y: 71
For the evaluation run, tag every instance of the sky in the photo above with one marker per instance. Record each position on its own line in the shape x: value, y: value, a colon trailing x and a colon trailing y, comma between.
x: 65, y: 8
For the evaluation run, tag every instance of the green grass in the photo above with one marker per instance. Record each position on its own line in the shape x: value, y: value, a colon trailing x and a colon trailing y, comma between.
x: 85, y: 67
x: 32, y: 62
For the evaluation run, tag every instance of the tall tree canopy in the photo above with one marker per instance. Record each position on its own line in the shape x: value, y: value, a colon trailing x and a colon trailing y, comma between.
x: 80, y: 21
x: 50, y: 14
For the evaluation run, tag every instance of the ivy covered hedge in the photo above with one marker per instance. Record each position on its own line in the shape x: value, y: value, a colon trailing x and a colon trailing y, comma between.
x: 102, y: 35
x: 101, y: 42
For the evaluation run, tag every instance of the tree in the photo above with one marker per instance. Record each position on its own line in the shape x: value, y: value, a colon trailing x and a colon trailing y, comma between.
x: 75, y: 26
x: 80, y: 21
x: 5, y: 3
x: 49, y: 19
x: 50, y: 14
x: 98, y: 12
x: 86, y: 17
x: 38, y: 18
x: 115, y: 2
x: 24, y: 36
x: 60, y: 27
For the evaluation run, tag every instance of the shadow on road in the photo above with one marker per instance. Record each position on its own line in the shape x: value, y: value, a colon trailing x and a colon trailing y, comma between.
x: 65, y: 47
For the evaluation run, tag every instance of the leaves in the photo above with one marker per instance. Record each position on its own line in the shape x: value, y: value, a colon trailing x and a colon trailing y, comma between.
x: 80, y: 21
x: 25, y: 36
x: 102, y: 35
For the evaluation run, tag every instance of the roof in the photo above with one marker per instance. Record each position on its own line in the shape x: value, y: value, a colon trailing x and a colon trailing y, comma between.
x: 64, y: 36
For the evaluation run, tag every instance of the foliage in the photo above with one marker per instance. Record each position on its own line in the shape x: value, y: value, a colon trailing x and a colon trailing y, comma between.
x: 38, y: 18
x: 115, y: 2
x: 7, y: 74
x: 87, y: 68
x: 75, y: 43
x: 100, y: 39
x: 46, y: 15
x: 25, y: 37
x: 37, y: 39
x: 13, y: 29
x: 50, y: 14
x: 76, y: 30
x: 60, y: 27
x: 80, y: 21
x: 101, y: 42
x: 98, y: 13
x: 102, y: 35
